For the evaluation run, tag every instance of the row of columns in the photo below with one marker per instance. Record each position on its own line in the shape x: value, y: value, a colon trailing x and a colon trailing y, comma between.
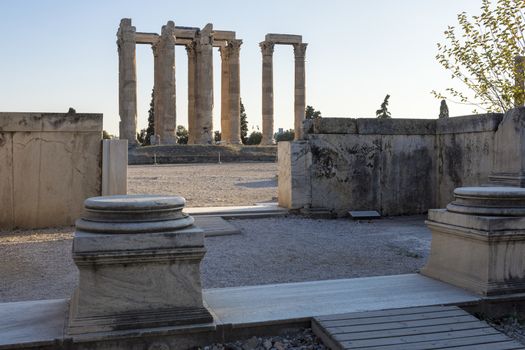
x: 200, y: 85
x: 267, y: 49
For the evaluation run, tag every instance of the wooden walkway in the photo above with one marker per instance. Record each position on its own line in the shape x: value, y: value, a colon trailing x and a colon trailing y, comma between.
x: 417, y: 328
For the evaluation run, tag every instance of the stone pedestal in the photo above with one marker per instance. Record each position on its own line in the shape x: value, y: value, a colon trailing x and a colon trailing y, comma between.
x: 478, y: 242
x: 138, y: 259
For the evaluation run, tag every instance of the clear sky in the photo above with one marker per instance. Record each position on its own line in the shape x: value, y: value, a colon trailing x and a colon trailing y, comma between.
x: 60, y: 54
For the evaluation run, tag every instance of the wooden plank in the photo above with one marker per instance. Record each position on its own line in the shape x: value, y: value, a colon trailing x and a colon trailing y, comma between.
x: 417, y: 338
x: 445, y: 344
x: 387, y: 319
x: 411, y: 331
x: 405, y: 324
x: 508, y: 345
x: 325, y: 337
x: 389, y: 312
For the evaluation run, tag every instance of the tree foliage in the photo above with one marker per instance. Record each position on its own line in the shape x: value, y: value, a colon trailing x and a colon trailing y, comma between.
x: 217, y: 136
x: 182, y: 135
x: 311, y: 113
x: 244, y: 124
x: 383, y: 112
x: 481, y: 53
x: 286, y: 135
x: 254, y: 138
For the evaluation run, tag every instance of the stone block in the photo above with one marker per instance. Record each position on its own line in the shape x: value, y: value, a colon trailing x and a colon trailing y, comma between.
x: 396, y: 126
x: 478, y: 242
x: 139, y: 266
x: 330, y: 126
x: 488, y: 122
x: 294, y: 174
x: 50, y: 165
x: 114, y: 167
x: 509, y: 152
x: 284, y: 38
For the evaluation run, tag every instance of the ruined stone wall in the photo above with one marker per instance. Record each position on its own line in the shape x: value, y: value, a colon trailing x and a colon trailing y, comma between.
x: 394, y: 166
x: 49, y: 164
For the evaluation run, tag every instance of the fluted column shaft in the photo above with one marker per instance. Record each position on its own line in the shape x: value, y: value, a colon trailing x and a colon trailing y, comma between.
x: 205, y: 86
x: 267, y: 92
x: 225, y: 94
x: 127, y: 82
x: 300, y: 89
x: 192, y: 86
x: 235, y: 92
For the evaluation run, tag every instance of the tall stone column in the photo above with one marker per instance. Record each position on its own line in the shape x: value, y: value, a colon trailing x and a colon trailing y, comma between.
x: 192, y: 86
x: 158, y: 108
x: 299, y: 51
x: 166, y: 94
x: 235, y: 92
x: 225, y: 94
x: 204, y: 125
x: 519, y: 64
x: 267, y: 92
x: 127, y: 82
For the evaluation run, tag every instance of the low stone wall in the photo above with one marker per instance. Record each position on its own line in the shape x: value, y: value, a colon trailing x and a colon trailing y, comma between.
x: 49, y: 164
x: 394, y: 166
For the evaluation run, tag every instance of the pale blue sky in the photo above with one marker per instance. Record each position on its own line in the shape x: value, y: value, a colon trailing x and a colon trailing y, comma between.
x: 57, y: 54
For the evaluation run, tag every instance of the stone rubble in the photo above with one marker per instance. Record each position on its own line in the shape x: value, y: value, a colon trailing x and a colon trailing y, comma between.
x: 302, y: 340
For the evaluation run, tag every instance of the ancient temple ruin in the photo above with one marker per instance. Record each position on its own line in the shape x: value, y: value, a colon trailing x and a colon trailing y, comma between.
x: 199, y: 45
x: 267, y: 48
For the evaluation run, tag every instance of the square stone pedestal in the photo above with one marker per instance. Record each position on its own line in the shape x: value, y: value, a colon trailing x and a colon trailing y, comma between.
x: 483, y: 254
x: 139, y: 266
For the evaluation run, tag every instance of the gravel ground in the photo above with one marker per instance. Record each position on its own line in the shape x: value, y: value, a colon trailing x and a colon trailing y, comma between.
x: 271, y: 250
x: 303, y: 340
x: 206, y: 185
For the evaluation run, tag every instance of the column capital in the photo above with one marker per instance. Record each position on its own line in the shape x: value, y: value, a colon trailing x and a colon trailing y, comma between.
x: 299, y: 50
x: 125, y: 32
x: 225, y: 52
x: 191, y: 49
x: 235, y: 46
x: 267, y: 47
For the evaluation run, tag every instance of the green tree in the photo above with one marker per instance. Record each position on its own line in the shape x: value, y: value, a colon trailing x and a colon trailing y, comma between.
x: 182, y: 135
x: 217, y: 136
x: 383, y: 112
x: 287, y: 135
x: 106, y: 135
x: 481, y: 53
x: 244, y: 124
x: 141, y: 138
x: 311, y: 113
x: 254, y: 138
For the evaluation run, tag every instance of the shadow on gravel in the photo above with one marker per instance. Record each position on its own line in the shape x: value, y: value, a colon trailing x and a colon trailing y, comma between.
x: 258, y: 184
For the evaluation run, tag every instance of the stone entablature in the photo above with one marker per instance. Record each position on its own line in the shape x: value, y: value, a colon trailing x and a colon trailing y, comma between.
x: 267, y: 49
x: 199, y: 44
x: 397, y: 166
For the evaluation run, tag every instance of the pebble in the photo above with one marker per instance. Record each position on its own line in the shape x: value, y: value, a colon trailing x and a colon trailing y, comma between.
x: 302, y: 340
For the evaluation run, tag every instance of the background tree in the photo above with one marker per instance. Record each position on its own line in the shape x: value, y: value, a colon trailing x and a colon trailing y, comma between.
x: 286, y: 135
x: 141, y: 137
x: 106, y: 135
x: 244, y: 124
x: 217, y: 135
x: 182, y: 135
x: 254, y: 138
x: 311, y: 113
x: 383, y: 112
x: 481, y: 53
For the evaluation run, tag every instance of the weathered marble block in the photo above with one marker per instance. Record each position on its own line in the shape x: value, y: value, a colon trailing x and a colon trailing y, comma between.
x: 139, y: 265
x: 478, y: 242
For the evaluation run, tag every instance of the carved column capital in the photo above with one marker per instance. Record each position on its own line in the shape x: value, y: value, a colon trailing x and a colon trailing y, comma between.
x: 267, y: 48
x: 125, y: 32
x: 235, y: 46
x: 191, y: 49
x: 225, y: 52
x: 299, y: 50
